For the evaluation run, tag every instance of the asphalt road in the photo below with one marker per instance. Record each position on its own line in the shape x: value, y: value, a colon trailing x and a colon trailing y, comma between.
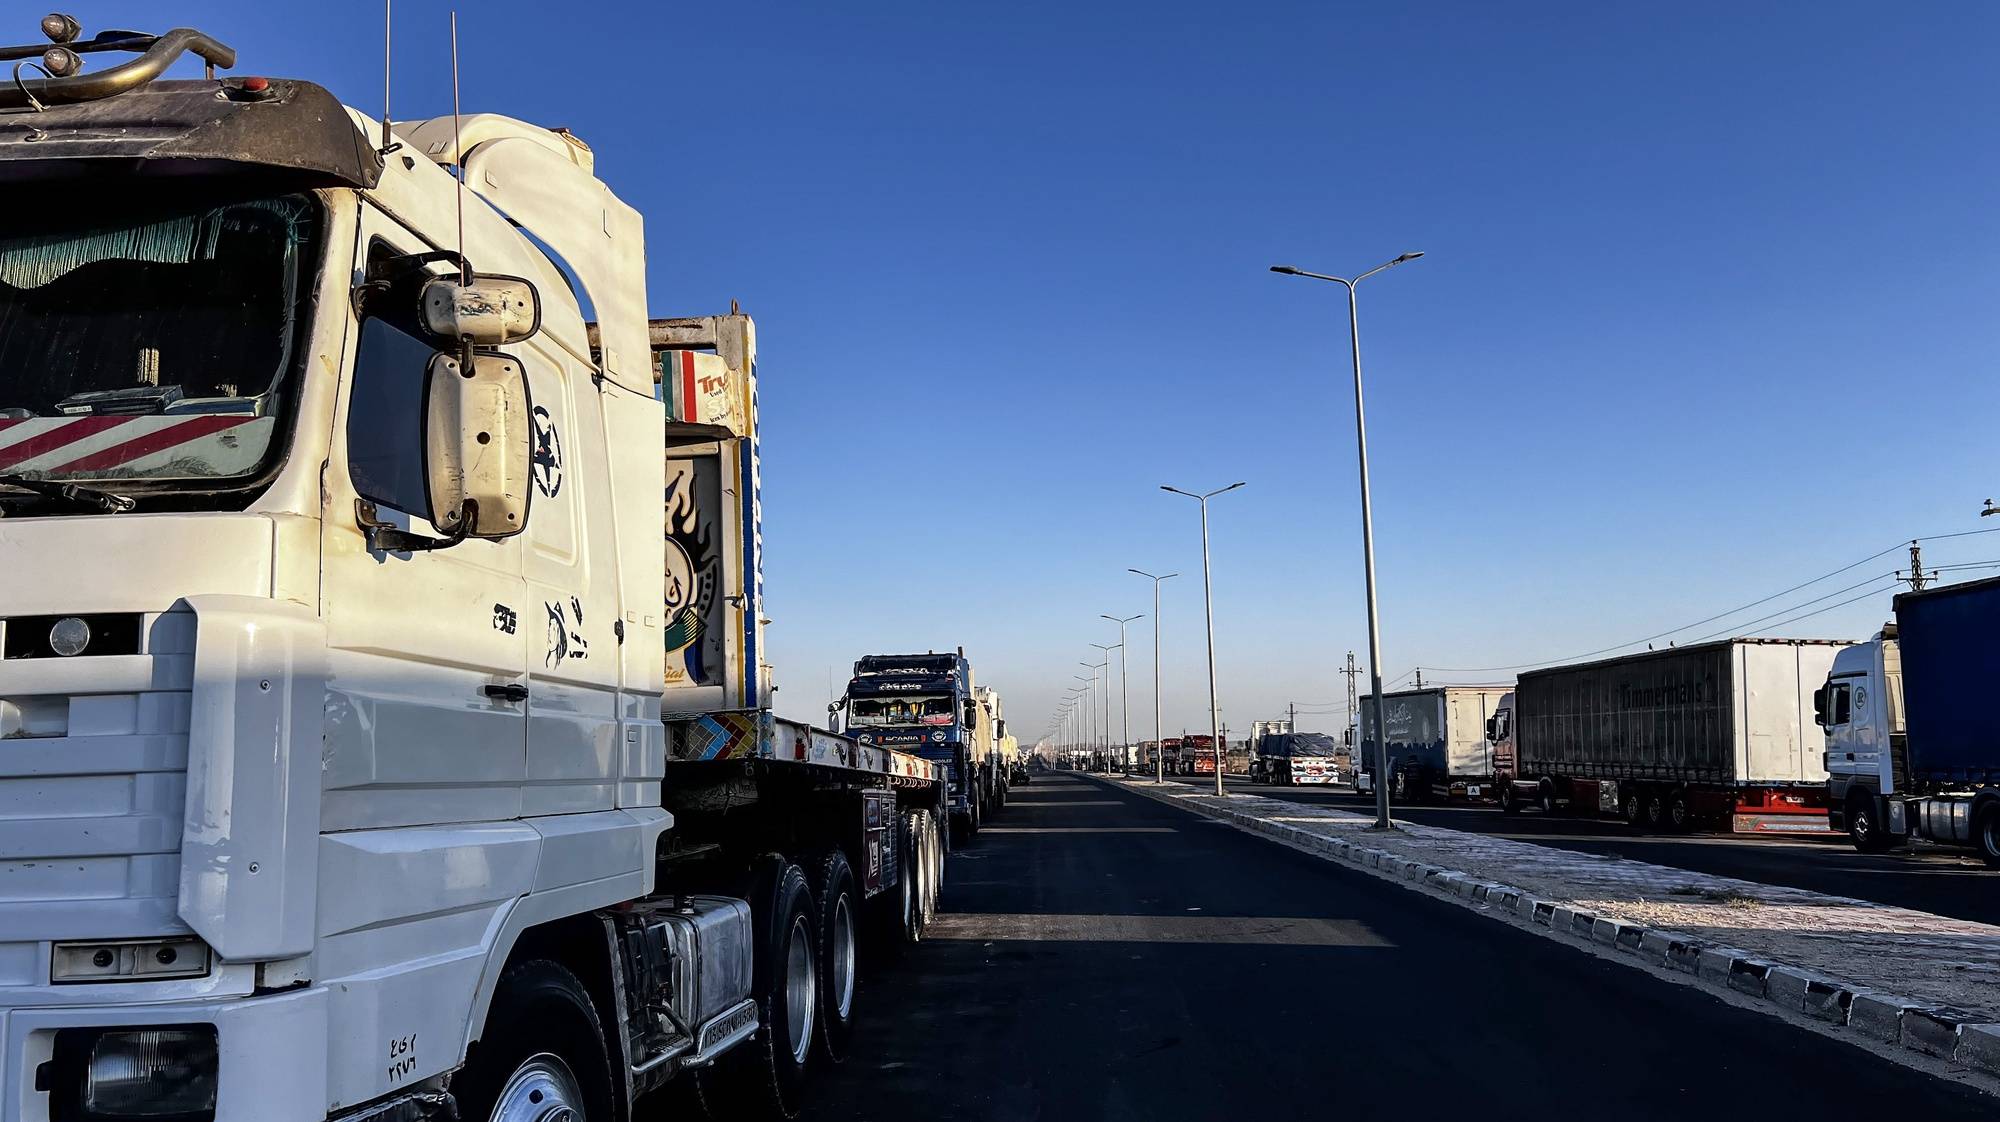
x: 1935, y: 880
x: 1104, y: 957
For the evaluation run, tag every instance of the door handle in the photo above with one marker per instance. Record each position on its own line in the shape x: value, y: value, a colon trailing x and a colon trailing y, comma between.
x: 512, y: 691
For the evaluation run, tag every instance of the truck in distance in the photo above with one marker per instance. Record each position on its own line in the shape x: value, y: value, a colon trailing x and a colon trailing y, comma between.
x: 924, y: 704
x: 1717, y: 734
x: 1912, y: 744
x: 1438, y: 744
x: 1287, y: 758
x: 454, y: 789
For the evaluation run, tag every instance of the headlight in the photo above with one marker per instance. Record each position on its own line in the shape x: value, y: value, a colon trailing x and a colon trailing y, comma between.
x: 150, y: 1074
x: 68, y: 636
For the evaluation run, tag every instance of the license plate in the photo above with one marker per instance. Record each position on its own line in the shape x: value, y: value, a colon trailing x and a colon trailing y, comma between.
x: 1472, y: 791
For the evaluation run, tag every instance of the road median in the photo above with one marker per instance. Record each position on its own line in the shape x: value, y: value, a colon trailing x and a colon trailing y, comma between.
x: 1906, y: 982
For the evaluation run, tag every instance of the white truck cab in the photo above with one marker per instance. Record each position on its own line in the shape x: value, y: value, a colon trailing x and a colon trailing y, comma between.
x: 333, y: 761
x: 1861, y: 709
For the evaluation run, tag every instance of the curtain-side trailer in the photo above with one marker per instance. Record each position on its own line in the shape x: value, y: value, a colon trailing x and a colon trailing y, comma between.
x: 1716, y: 733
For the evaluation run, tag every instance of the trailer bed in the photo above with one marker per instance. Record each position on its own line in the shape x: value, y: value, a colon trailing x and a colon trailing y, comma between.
x: 759, y: 734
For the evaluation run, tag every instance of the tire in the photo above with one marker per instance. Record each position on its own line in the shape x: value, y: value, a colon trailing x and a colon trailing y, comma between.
x: 1545, y: 797
x: 1986, y: 834
x: 1654, y: 816
x: 1863, y: 828
x: 1399, y: 785
x: 542, y: 1048
x: 896, y: 909
x: 1509, y: 802
x: 765, y: 1077
x: 839, y: 931
x: 1632, y: 808
x: 1679, y: 815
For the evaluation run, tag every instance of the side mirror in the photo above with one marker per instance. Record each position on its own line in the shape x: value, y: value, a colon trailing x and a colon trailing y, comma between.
x: 1492, y: 726
x: 1819, y: 707
x: 477, y: 446
x: 491, y: 311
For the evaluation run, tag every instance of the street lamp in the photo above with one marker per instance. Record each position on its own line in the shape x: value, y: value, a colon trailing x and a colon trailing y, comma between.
x: 1367, y: 526
x: 1124, y: 680
x: 1089, y: 708
x: 1107, y: 700
x: 1103, y: 725
x: 1159, y: 757
x: 1208, y: 599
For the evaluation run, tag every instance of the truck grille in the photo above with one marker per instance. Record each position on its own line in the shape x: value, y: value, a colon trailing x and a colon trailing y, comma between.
x: 93, y: 761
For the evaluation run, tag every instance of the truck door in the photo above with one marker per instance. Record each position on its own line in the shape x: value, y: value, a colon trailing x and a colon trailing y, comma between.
x: 569, y: 560
x: 426, y: 656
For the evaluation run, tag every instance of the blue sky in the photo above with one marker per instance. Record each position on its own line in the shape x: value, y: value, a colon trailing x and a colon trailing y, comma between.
x: 1708, y: 306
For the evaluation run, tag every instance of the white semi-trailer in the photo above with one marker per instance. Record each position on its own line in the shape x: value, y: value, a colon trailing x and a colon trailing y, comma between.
x: 353, y: 762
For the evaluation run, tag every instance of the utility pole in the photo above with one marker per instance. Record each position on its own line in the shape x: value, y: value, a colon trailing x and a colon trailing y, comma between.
x: 1917, y: 578
x: 1292, y: 717
x: 1353, y: 713
x: 1420, y: 677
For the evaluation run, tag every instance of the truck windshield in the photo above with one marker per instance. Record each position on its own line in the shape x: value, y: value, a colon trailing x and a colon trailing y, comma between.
x: 919, y: 710
x: 149, y: 345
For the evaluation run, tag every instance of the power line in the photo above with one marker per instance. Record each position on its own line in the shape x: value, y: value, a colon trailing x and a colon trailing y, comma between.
x: 1842, y: 604
x: 1742, y: 627
x: 1719, y: 615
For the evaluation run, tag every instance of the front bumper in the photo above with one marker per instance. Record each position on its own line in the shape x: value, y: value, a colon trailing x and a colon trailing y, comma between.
x: 271, y: 1052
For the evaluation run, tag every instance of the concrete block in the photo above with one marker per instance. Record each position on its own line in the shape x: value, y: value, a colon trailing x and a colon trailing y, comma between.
x: 1747, y: 975
x: 1829, y: 1001
x: 1684, y: 955
x: 1583, y: 924
x: 1933, y: 1030
x: 1878, y: 1016
x: 1544, y: 912
x: 1785, y: 987
x: 1712, y: 964
x: 1979, y: 1048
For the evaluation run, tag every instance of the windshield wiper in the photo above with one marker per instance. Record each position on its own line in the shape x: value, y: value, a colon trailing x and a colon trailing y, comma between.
x: 71, y: 492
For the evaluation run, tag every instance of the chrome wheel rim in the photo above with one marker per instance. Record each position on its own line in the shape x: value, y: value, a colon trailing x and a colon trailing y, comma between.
x: 842, y: 967
x: 542, y: 1089
x: 799, y: 990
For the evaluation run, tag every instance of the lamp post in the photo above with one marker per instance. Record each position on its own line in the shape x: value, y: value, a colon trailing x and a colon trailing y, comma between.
x: 1089, y: 709
x: 1367, y: 525
x: 1159, y: 756
x: 1208, y: 600
x: 1118, y: 646
x: 1102, y: 741
x: 1124, y: 679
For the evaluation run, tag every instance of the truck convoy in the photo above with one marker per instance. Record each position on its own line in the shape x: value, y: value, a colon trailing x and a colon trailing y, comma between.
x: 927, y: 704
x: 356, y: 764
x: 1912, y: 745
x: 1437, y: 740
x: 1713, y: 734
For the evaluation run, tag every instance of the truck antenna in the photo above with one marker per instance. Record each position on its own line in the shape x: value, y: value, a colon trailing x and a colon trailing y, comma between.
x: 388, y: 138
x: 458, y: 144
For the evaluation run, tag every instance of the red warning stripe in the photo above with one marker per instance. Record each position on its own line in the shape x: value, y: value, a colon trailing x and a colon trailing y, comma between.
x: 687, y: 386
x: 194, y: 428
x: 53, y: 438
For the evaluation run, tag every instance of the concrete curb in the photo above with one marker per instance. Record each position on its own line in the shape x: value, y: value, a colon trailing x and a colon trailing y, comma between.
x: 1945, y: 1033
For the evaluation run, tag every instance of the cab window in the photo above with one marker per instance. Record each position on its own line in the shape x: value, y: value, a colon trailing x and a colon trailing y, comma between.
x: 385, y: 419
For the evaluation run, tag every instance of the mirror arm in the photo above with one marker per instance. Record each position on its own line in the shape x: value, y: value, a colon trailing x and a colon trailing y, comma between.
x: 384, y: 537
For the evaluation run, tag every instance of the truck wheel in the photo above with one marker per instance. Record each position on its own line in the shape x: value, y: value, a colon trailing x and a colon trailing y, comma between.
x: 1655, y: 814
x: 1680, y: 812
x: 1863, y: 830
x: 1399, y: 785
x: 1510, y: 803
x: 764, y: 1077
x: 896, y: 909
x: 1632, y: 808
x: 833, y: 892
x: 541, y: 1054
x: 1986, y: 834
x: 1545, y: 797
